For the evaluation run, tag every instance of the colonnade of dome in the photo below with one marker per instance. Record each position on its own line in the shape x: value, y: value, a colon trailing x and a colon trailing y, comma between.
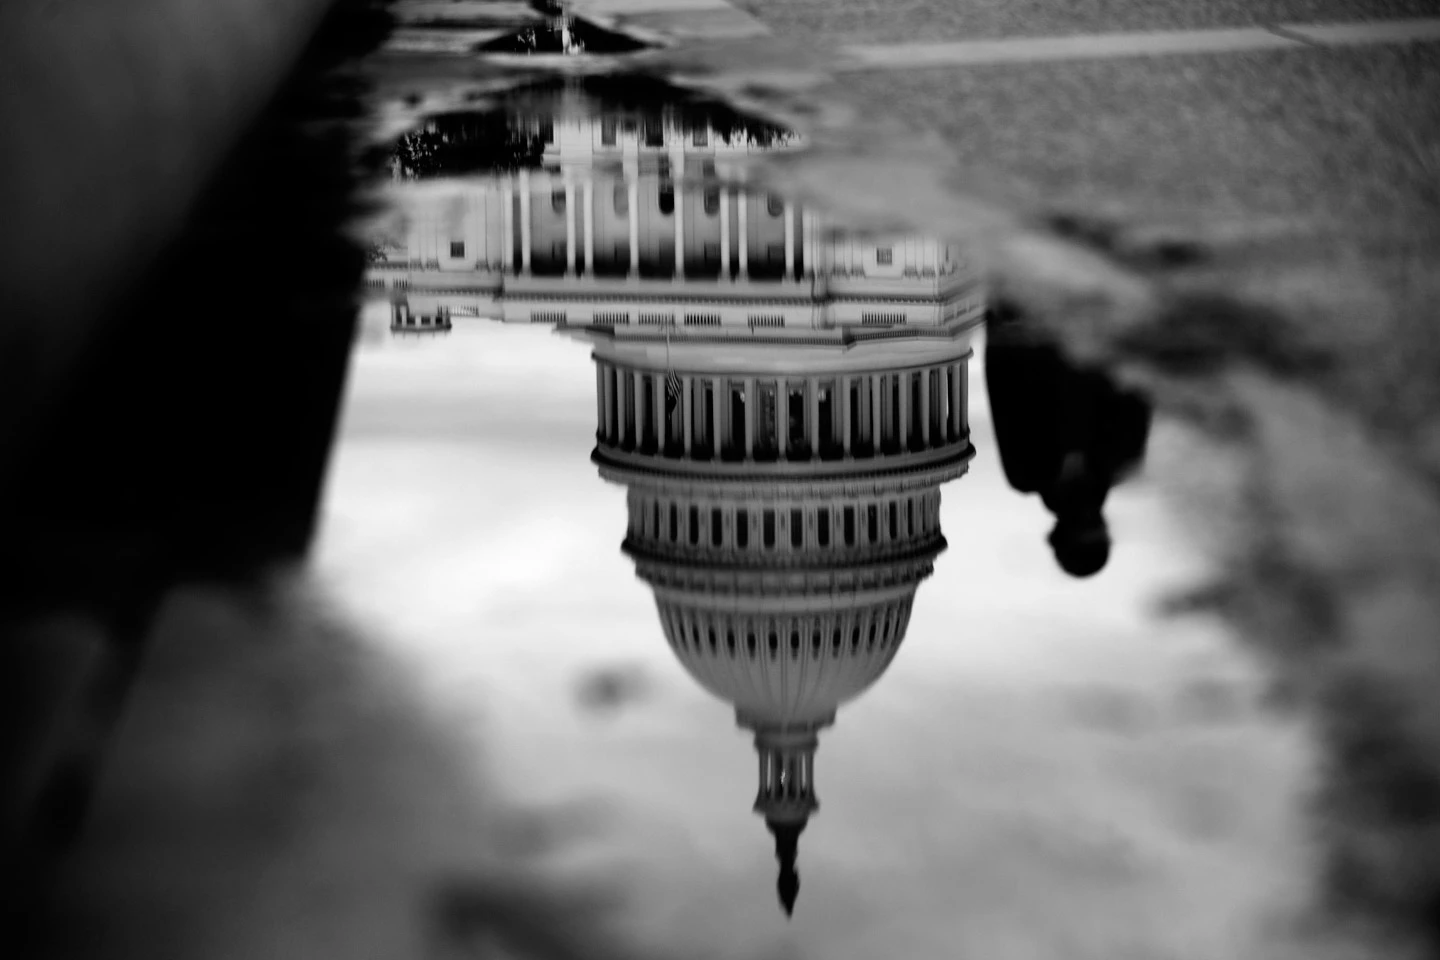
x: 844, y: 415
x: 843, y: 527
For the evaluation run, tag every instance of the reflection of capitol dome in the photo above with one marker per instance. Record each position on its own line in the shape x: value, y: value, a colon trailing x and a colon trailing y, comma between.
x: 781, y: 401
x: 784, y: 507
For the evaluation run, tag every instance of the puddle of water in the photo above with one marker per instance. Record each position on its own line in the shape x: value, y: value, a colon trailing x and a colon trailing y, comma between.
x: 790, y: 435
x: 781, y: 418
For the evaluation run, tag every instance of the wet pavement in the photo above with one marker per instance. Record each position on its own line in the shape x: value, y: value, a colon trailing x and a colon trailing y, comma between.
x: 700, y: 527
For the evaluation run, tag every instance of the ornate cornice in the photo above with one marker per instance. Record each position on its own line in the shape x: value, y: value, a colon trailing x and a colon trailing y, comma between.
x: 903, y: 365
x: 836, y: 560
x: 849, y: 333
x: 684, y: 584
x: 760, y: 485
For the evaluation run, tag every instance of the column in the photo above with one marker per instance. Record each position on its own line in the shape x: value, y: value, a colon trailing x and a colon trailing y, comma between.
x: 845, y: 415
x: 659, y: 415
x: 957, y: 385
x: 687, y: 411
x: 750, y: 404
x: 942, y: 404
x: 964, y: 392
x: 622, y: 420
x: 875, y: 432
x: 716, y: 409
x: 743, y: 218
x: 782, y: 405
x: 634, y: 210
x: 507, y: 252
x: 600, y: 401
x: 524, y: 221
x: 904, y: 394
x: 590, y: 227
x: 725, y: 234
x: 569, y: 228
x: 810, y: 241
x: 679, y: 228
x: 812, y: 428
x: 789, y: 241
x: 925, y: 412
x: 611, y: 429
x: 637, y: 425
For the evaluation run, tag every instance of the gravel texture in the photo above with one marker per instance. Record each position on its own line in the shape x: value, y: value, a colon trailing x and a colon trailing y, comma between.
x: 1350, y: 135
x: 895, y: 21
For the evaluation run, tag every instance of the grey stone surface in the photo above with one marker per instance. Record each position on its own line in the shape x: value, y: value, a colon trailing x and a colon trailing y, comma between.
x: 884, y: 21
x: 1336, y: 135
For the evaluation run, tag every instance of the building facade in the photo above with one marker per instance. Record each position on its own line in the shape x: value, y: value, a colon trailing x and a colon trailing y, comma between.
x: 633, y: 221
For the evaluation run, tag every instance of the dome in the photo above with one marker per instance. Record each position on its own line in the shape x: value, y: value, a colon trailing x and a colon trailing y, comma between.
x: 788, y: 668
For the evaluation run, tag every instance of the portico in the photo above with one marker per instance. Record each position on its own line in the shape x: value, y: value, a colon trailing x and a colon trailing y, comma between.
x: 657, y: 225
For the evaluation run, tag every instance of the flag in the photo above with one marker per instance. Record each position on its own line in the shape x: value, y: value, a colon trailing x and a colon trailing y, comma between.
x: 672, y: 392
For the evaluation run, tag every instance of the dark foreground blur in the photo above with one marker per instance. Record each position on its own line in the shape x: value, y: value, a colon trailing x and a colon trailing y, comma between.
x: 175, y: 443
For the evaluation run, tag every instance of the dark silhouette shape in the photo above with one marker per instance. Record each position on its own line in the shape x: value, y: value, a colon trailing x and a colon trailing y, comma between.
x: 1066, y: 432
x: 564, y: 35
x: 787, y: 847
x: 180, y: 450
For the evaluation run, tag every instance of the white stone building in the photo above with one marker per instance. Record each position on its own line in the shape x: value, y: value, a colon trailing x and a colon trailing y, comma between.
x: 633, y: 222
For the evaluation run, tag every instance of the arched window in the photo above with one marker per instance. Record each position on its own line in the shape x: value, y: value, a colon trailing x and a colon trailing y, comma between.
x: 667, y: 198
x: 775, y: 205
